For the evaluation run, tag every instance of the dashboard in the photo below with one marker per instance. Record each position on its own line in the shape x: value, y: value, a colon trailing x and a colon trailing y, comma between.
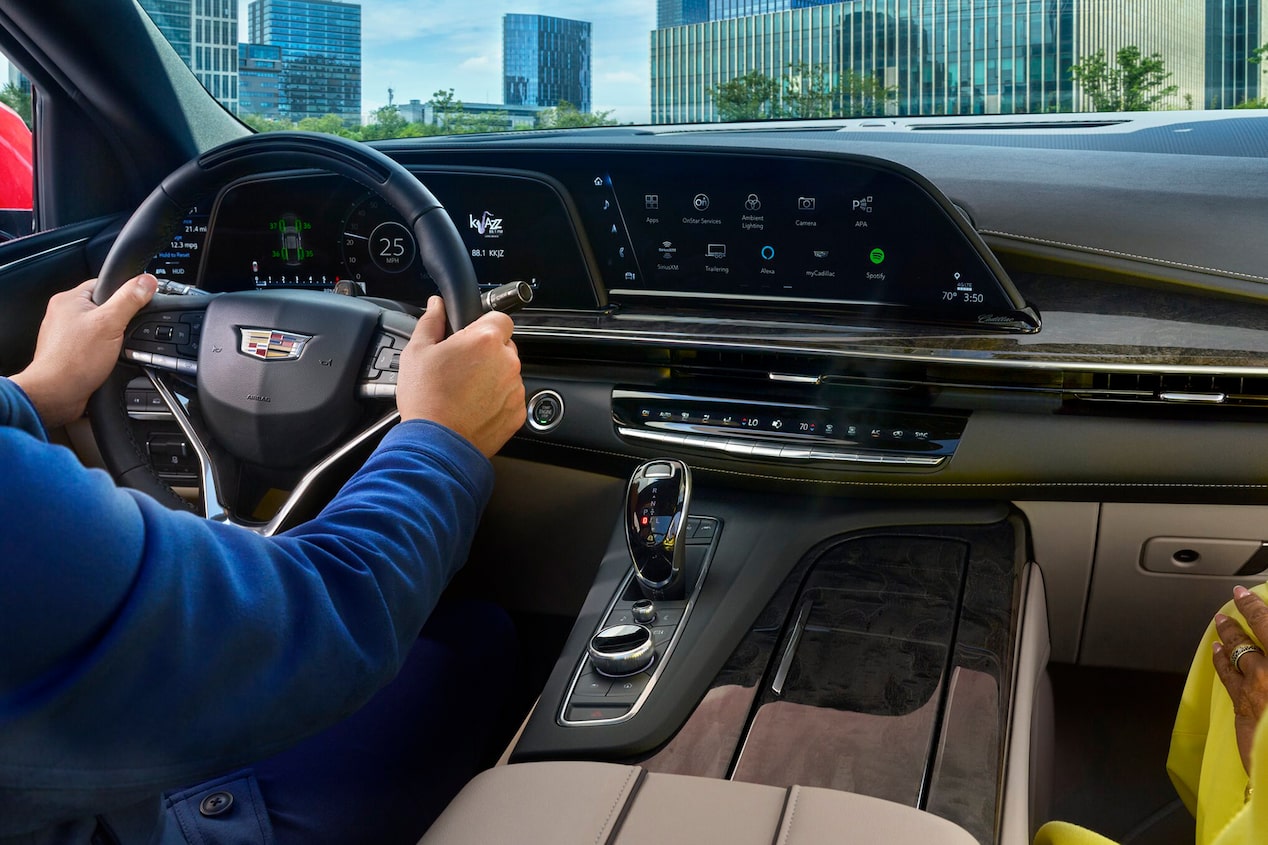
x: 602, y: 229
x: 901, y: 313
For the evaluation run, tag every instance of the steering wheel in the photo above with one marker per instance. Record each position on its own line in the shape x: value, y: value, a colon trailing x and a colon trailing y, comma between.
x: 273, y: 379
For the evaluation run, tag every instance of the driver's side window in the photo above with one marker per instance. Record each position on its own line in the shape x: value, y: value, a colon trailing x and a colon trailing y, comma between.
x: 16, y: 152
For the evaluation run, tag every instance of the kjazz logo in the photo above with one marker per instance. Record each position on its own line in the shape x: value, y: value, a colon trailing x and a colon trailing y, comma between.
x: 486, y: 225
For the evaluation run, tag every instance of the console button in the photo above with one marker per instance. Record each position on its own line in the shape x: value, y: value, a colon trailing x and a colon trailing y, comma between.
x: 629, y: 689
x: 592, y: 684
x: 596, y: 712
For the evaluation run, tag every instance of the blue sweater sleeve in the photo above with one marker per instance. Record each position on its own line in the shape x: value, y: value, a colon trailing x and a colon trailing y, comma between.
x: 142, y: 648
x: 16, y: 410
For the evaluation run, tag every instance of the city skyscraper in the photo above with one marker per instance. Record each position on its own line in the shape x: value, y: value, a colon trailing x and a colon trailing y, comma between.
x: 320, y: 44
x: 723, y: 9
x: 214, y: 48
x: 679, y: 12
x: 545, y: 61
x: 259, y: 80
x: 938, y: 56
x: 204, y: 34
x: 1234, y: 28
x: 174, y: 18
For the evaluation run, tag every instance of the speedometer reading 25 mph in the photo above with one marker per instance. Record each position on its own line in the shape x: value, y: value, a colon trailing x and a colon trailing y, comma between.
x: 377, y: 246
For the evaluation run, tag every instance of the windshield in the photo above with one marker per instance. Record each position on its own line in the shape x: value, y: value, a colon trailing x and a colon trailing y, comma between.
x: 398, y: 68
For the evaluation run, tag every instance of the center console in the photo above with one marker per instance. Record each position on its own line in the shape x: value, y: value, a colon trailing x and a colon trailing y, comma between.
x: 876, y: 651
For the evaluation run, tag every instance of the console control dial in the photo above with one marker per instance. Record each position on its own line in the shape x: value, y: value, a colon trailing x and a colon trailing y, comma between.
x: 621, y: 650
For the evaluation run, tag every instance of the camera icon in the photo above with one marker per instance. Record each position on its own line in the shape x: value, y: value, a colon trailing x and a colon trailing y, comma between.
x: 805, y: 203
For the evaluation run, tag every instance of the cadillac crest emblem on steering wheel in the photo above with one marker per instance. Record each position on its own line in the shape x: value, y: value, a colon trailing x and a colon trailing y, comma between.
x: 272, y: 344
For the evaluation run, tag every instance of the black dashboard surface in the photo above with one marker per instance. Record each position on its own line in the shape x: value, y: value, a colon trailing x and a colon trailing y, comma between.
x: 1108, y: 303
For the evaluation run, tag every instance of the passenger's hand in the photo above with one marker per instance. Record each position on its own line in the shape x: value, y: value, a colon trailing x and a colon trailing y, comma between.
x: 1248, y: 687
x: 78, y: 345
x: 469, y: 382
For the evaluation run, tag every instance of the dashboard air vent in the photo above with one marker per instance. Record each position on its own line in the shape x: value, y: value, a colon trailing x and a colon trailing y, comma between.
x: 1240, y: 391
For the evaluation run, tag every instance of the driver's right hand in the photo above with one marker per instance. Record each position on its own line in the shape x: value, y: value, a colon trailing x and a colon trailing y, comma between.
x: 468, y: 382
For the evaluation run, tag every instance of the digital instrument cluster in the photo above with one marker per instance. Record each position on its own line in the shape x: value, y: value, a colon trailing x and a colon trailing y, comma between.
x: 648, y: 229
x: 316, y: 231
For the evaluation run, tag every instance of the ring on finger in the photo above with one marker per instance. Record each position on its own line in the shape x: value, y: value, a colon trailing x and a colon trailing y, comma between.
x: 1236, y: 655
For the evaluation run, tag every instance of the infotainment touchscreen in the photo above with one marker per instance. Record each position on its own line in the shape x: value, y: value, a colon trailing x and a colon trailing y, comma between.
x: 835, y: 232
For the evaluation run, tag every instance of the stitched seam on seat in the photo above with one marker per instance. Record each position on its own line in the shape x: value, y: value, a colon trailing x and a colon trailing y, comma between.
x: 783, y: 833
x: 620, y: 807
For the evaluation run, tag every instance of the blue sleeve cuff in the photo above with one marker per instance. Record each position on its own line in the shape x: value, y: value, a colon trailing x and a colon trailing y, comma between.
x: 445, y: 445
x: 17, y: 411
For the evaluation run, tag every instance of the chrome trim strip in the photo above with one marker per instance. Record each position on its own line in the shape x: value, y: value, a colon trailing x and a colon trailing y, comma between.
x: 739, y: 448
x: 18, y: 262
x: 785, y: 663
x: 213, y: 508
x: 660, y: 663
x: 211, y: 494
x: 770, y: 345
x: 301, y: 489
x: 795, y: 379
x: 1204, y: 398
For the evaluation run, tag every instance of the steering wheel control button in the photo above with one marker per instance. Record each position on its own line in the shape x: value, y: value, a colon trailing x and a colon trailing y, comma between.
x: 216, y: 804
x: 388, y: 359
x: 622, y: 650
x: 545, y: 410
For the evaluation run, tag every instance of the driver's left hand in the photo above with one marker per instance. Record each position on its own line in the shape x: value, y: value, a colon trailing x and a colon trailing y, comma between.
x: 78, y: 346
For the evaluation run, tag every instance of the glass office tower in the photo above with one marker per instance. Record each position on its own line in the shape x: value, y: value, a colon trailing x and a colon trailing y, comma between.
x: 259, y: 80
x: 545, y: 61
x: 937, y: 56
x: 1234, y: 29
x: 204, y: 34
x: 320, y: 42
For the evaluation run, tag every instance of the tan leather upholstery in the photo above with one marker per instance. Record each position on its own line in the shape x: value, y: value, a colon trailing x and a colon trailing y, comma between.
x: 561, y: 803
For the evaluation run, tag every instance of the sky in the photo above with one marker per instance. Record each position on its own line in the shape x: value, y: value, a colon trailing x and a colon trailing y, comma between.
x: 418, y: 47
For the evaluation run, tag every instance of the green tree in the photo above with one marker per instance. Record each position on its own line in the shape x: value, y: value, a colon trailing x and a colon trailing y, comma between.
x: 452, y: 118
x: 752, y: 96
x: 803, y: 91
x: 859, y: 95
x: 806, y: 92
x: 331, y: 124
x: 567, y: 116
x: 385, y: 122
x: 1131, y: 83
x: 264, y: 124
x: 1257, y: 57
x: 18, y: 100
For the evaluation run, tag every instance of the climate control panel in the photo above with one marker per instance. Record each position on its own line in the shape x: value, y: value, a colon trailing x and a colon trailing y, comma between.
x: 776, y: 431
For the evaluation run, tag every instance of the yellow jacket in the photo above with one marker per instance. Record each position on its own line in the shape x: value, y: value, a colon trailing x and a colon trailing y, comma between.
x: 1204, y: 763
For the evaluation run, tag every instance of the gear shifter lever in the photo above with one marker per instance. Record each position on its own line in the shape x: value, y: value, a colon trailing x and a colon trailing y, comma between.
x: 655, y: 522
